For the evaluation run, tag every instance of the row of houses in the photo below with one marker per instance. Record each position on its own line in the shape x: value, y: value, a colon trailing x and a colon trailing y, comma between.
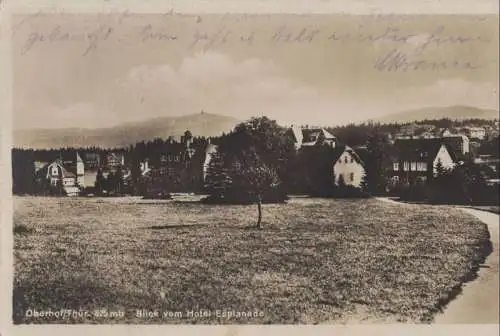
x: 474, y: 133
x: 416, y: 158
x: 74, y: 171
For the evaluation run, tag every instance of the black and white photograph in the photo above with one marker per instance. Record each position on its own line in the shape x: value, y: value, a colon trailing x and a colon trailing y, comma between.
x: 254, y: 168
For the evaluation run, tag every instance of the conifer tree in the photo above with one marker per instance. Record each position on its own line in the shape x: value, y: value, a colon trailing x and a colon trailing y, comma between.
x: 217, y: 180
x: 440, y: 169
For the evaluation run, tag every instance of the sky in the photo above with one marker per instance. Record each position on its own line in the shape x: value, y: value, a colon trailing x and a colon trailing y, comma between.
x: 95, y: 71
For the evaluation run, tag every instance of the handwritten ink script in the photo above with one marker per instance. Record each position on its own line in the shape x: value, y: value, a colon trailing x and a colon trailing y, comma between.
x: 399, y: 48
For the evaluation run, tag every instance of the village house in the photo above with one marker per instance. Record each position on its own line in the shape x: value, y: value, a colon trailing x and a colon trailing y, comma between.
x: 304, y: 137
x: 113, y: 160
x: 459, y: 143
x: 418, y: 159
x: 64, y: 173
x: 491, y: 133
x: 478, y: 133
x: 347, y: 166
x: 92, y: 160
x: 488, y: 160
x: 92, y: 163
x: 416, y: 130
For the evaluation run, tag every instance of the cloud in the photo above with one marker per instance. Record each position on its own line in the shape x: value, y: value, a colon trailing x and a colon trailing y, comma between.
x: 216, y: 83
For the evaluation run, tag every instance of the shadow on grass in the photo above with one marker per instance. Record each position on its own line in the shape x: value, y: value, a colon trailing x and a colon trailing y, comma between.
x: 173, y: 227
x: 252, y: 227
x: 21, y: 229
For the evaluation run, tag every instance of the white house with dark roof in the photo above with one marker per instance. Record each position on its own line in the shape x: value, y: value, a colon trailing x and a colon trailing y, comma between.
x: 304, y: 137
x: 348, y: 166
x: 417, y: 159
x: 64, y: 173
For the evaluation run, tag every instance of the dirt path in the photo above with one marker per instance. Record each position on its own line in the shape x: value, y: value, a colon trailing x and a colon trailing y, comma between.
x: 478, y: 303
x: 479, y: 300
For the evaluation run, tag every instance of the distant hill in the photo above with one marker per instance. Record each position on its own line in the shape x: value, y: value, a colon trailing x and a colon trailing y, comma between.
x: 451, y: 112
x: 201, y: 124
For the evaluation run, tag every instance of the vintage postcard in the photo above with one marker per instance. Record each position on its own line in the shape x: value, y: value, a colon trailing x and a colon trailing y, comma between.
x: 182, y: 165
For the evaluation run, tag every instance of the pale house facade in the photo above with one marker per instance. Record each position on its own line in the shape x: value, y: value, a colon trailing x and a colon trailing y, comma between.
x: 476, y: 132
x: 56, y: 175
x: 349, y: 167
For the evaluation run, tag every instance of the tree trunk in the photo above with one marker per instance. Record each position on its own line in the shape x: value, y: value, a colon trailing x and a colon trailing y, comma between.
x: 259, y: 205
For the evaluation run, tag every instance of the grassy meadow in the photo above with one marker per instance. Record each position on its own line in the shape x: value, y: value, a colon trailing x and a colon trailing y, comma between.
x: 316, y: 261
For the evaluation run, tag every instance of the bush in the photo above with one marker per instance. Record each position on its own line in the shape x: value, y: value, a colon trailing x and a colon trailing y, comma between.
x: 21, y: 229
x: 414, y: 192
x: 157, y: 195
x: 349, y: 191
x: 277, y: 195
x: 484, y: 195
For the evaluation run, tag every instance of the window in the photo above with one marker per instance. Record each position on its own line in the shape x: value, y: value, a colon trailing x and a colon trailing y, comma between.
x: 352, y: 159
x: 406, y: 166
x: 345, y: 159
x: 421, y: 166
x: 413, y: 166
x: 351, y: 177
x: 54, y: 170
x: 395, y: 166
x: 341, y: 177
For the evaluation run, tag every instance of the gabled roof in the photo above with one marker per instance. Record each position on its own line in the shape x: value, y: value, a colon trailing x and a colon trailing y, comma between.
x: 337, y: 152
x: 66, y: 173
x: 309, y: 133
x: 310, y: 136
x: 78, y: 158
x: 421, y: 149
x: 297, y: 134
x: 116, y: 155
x: 341, y: 149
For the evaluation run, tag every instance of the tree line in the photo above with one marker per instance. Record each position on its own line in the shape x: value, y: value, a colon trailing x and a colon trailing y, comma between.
x: 256, y: 162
